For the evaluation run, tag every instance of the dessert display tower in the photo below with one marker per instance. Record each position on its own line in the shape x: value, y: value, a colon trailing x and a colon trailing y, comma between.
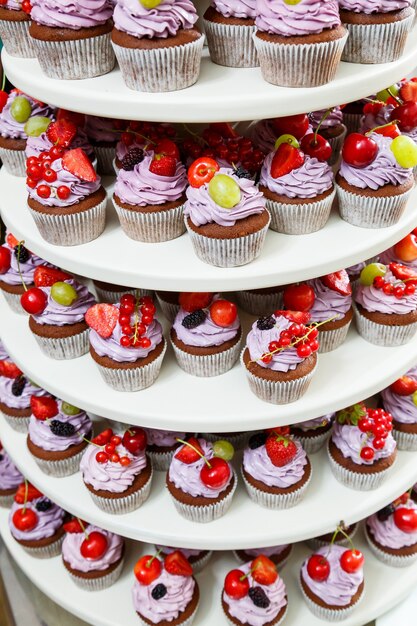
x: 178, y: 401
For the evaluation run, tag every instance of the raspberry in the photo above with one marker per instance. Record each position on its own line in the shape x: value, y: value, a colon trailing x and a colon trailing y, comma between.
x: 266, y: 323
x: 242, y: 173
x: 43, y: 506
x: 62, y: 429
x: 132, y: 158
x: 18, y: 386
x: 194, y: 319
x: 22, y: 254
x: 259, y: 597
x: 159, y: 591
x: 257, y: 440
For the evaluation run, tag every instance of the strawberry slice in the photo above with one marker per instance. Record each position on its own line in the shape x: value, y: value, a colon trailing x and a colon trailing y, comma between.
x: 77, y: 162
x: 388, y: 130
x: 9, y: 370
x: 27, y: 493
x: 12, y: 241
x: 192, y: 301
x: 177, y: 565
x: 44, y: 276
x: 338, y: 281
x: 61, y: 133
x: 167, y: 147
x: 408, y: 91
x: 187, y: 455
x: 102, y: 318
x: 404, y: 273
x: 286, y: 159
x: 164, y: 166
x: 78, y: 119
x: 103, y: 437
x: 299, y: 317
x: 74, y: 526
x: 43, y: 407
x: 225, y: 129
x: 263, y: 570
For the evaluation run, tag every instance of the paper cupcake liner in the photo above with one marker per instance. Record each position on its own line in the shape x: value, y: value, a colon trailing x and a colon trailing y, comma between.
x: 299, y: 65
x: 207, y: 513
x: 336, y: 144
x: 161, y: 460
x: 312, y: 445
x: 134, y: 379
x: 112, y: 297
x: 280, y: 565
x: 231, y: 45
x: 105, y: 156
x: 16, y: 38
x: 168, y: 309
x: 14, y: 161
x: 383, y: 334
x: 238, y: 441
x: 229, y: 621
x: 316, y: 543
x: 331, y: 339
x: 405, y: 441
x: 19, y: 424
x: 13, y: 300
x: 207, y: 365
x: 160, y: 69
x: 352, y: 121
x: 178, y: 622
x: 330, y: 615
x: 357, y: 480
x: 77, y: 58
x: 151, y: 227
x: 377, y: 43
x: 7, y: 501
x: 46, y: 552
x: 72, y: 229
x: 273, y: 500
x: 123, y: 504
x: 199, y: 565
x: 65, y: 347
x: 99, y: 583
x: 392, y: 560
x: 228, y: 252
x: 371, y: 211
x: 300, y: 219
x: 115, y: 168
x: 259, y: 304
x: 62, y: 468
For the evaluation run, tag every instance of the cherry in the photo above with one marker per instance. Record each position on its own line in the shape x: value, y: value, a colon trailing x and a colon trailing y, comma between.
x: 94, y: 546
x: 359, y: 150
x: 318, y: 568
x: 236, y: 584
x: 263, y: 570
x: 135, y: 440
x: 316, y: 146
x: 217, y: 474
x: 202, y: 171
x: 351, y: 561
x: 147, y: 569
x: 34, y: 301
x: 404, y: 386
x: 406, y: 249
x: 3, y: 94
x: 5, y: 259
x: 406, y: 519
x: 25, y: 519
x: 406, y: 116
x: 223, y: 313
x: 367, y: 454
x: 299, y: 297
x: 296, y: 125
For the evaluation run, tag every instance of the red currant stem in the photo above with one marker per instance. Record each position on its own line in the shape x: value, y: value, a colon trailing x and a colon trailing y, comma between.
x: 19, y: 245
x: 151, y: 560
x: 83, y: 528
x: 325, y: 116
x: 196, y: 136
x: 397, y: 100
x: 135, y: 334
x: 372, y: 130
x: 186, y: 443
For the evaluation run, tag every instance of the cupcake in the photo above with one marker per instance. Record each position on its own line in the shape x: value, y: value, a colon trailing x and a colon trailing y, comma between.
x: 58, y: 434
x: 299, y: 45
x: 225, y: 215
x: 200, y: 484
x: 378, y: 30
x: 10, y: 479
x: 276, y: 470
x: 116, y: 470
x: 127, y: 362
x: 14, y: 29
x: 92, y: 556
x: 260, y: 302
x: 279, y: 555
x: 104, y: 133
x: 332, y: 128
x: 169, y: 303
x: 313, y: 433
x: 230, y: 27
x: 299, y: 190
x: 278, y: 368
x: 386, y: 304
x: 198, y: 559
x: 108, y: 292
x: 162, y: 445
x: 340, y: 538
x: 399, y: 400
x: 372, y: 187
x: 15, y: 401
x: 149, y: 196
x: 72, y: 41
x: 361, y: 447
x: 69, y: 204
x: 150, y: 42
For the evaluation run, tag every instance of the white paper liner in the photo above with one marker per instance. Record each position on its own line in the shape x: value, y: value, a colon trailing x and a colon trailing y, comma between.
x: 238, y: 440
x: 7, y: 501
x: 331, y: 339
x: 352, y: 121
x: 207, y: 513
x: 336, y: 144
x: 160, y: 69
x: 65, y: 347
x: 105, y: 295
x: 405, y: 441
x: 13, y: 300
x: 315, y: 543
x: 257, y: 303
x: 199, y: 565
x: 62, y: 468
x: 152, y: 227
x: 357, y: 480
x: 228, y: 252
x: 168, y: 309
x: 75, y: 59
x: 115, y: 168
x: 231, y: 45
x: 300, y: 219
x: 134, y: 379
x: 392, y: 560
x: 99, y: 583
x: 279, y: 566
x: 312, y: 445
x: 299, y: 65
x: 276, y: 501
x: 371, y: 211
x: 382, y: 334
x: 229, y: 621
x: 123, y: 504
x: 105, y: 156
x: 377, y: 43
x: 207, y: 365
x: 16, y: 38
x: 186, y: 622
x: 19, y: 424
x: 72, y: 229
x: 14, y: 161
x: 161, y: 460
x: 330, y: 615
x: 47, y: 552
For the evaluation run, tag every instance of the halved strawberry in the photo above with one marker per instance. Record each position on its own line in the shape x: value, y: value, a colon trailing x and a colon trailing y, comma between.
x: 388, y: 130
x: 77, y: 162
x: 373, y: 107
x: 78, y: 119
x: 61, y: 133
x: 43, y: 407
x: 12, y: 241
x: 9, y: 370
x: 225, y: 129
x: 338, y: 281
x: 74, y: 526
x: 165, y: 166
x: 286, y: 159
x: 403, y: 272
x: 177, y: 565
x: 264, y: 570
x: 167, y: 147
x: 26, y: 493
x: 187, y: 454
x: 102, y: 318
x: 192, y: 301
x: 45, y: 276
x: 408, y: 91
x: 299, y: 317
x: 103, y: 437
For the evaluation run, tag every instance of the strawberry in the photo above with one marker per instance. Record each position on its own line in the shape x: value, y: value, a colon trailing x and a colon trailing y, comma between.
x: 338, y: 281
x: 78, y: 119
x: 263, y: 570
x: 373, y: 107
x: 102, y: 318
x: 403, y: 272
x: 224, y: 129
x: 77, y: 162
x: 279, y: 430
x: 74, y: 525
x: 61, y: 133
x: 177, y: 565
x: 167, y: 147
x: 26, y: 493
x: 408, y: 91
x: 280, y: 450
x: 44, y: 407
x: 192, y: 301
x: 11, y: 240
x: 299, y: 317
x: 9, y: 369
x: 388, y: 130
x: 165, y: 166
x: 404, y: 386
x: 103, y: 437
x: 187, y: 455
x: 286, y: 159
x: 45, y: 276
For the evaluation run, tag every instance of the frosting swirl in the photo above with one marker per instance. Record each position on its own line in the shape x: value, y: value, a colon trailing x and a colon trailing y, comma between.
x: 316, y: 423
x: 27, y: 268
x: 12, y: 129
x: 307, y: 17
x: 180, y: 590
x: 374, y: 6
x: 10, y: 477
x: 328, y: 302
x: 375, y: 300
x: 101, y: 129
x: 41, y: 435
x: 258, y: 341
x: 49, y: 522
x: 71, y: 551
x: 163, y: 438
x: 313, y: 178
x: 60, y: 315
x: 258, y: 464
x: 402, y: 408
x: 387, y: 532
x: 165, y: 20
x: 74, y: 14
x: 243, y: 9
x: 36, y: 145
x: 335, y: 118
x: 23, y: 400
x: 350, y: 441
x: 111, y: 477
x: 206, y: 334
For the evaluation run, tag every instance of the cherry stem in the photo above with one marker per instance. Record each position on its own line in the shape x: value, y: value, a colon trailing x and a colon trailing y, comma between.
x: 196, y: 136
x: 19, y: 246
x: 151, y: 560
x: 325, y: 116
x: 26, y: 495
x: 346, y: 536
x: 195, y: 450
x: 372, y: 130
x: 83, y: 528
x: 397, y: 100
x: 92, y: 443
x: 3, y: 82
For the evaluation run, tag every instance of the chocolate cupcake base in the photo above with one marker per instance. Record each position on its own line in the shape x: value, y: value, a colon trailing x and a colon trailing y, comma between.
x: 96, y: 580
x: 405, y: 435
x: 58, y: 464
x: 401, y: 557
x: 275, y: 497
x: 151, y: 223
x: 333, y: 334
x: 44, y: 548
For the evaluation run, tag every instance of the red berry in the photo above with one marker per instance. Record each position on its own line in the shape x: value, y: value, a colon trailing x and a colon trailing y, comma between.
x: 236, y: 584
x: 365, y: 425
x: 285, y: 160
x: 367, y: 453
x: 116, y: 440
x: 109, y: 448
x: 145, y: 342
x: 399, y: 291
x: 378, y: 443
x: 34, y: 301
x: 359, y: 150
x: 103, y: 438
x: 126, y: 342
x: 404, y: 386
x: 215, y: 475
x: 351, y: 561
x: 410, y: 290
x: 280, y: 449
x: 223, y: 313
x: 4, y: 96
x: 147, y: 319
x: 43, y: 191
x: 299, y: 297
x: 314, y: 345
x: 192, y: 301
x: 34, y: 171
x: 31, y: 182
x: 124, y: 319
x: 378, y: 430
x: 56, y: 152
x: 406, y: 116
x: 303, y: 350
x: 94, y: 546
x: 125, y: 461
x: 49, y: 175
x: 202, y: 171
x: 296, y: 125
x: 388, y: 289
x: 127, y: 308
x: 318, y: 568
x: 5, y: 259
x: 273, y: 346
x: 378, y: 282
x: 264, y: 570
x: 127, y: 330
x: 317, y: 146
x: 267, y: 358
x: 127, y: 138
x: 177, y: 565
x: 115, y: 458
x: 102, y: 318
x: 406, y: 519
x: 63, y: 192
x: 140, y: 329
x: 25, y: 519
x: 102, y: 457
x: 135, y: 440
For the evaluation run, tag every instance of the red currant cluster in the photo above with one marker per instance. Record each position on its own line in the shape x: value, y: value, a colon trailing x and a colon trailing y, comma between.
x: 108, y: 441
x: 143, y: 310
x: 144, y: 132
x: 399, y: 290
x: 39, y: 168
x: 377, y: 424
x: 299, y: 336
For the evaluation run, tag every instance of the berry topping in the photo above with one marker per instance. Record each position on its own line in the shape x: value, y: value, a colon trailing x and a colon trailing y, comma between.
x: 36, y: 125
x: 147, y: 569
x: 11, y: 240
x: 5, y: 259
x: 94, y: 546
x: 404, y: 273
x: 318, y: 568
x: 26, y: 492
x: 34, y: 301
x: 259, y: 597
x: 257, y: 440
x: 21, y: 253
x: 406, y: 249
x: 132, y: 158
x: 4, y: 96
x: 191, y: 301
x: 338, y: 281
x: 404, y: 386
x: 18, y: 385
x: 9, y: 369
x: 25, y: 519
x: 372, y: 271
x: 177, y: 565
x: 159, y: 591
x: 202, y: 171
x: 285, y: 160
x: 62, y: 429
x: 351, y: 561
x: 135, y: 440
x: 296, y: 125
x: 44, y: 276
x: 384, y: 514
x: 44, y: 407
x: 21, y: 109
x: 408, y: 91
x: 405, y: 116
x: 61, y: 133
x: 266, y: 323
x: 69, y: 409
x: 43, y: 505
x: 103, y: 437
x: 63, y: 293
x: 224, y: 190
x: 280, y: 450
x: 187, y: 454
x: 216, y: 473
x: 77, y: 163
x: 263, y: 570
x: 240, y: 172
x: 236, y: 584
x: 316, y: 146
x: 406, y: 520
x: 300, y: 317
x: 163, y: 166
x: 75, y: 525
x: 102, y: 318
x: 192, y: 320
x: 359, y: 150
x: 299, y: 297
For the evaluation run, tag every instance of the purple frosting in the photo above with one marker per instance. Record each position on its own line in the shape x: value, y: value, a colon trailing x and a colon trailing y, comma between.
x: 49, y: 522
x: 15, y: 130
x: 384, y: 170
x: 313, y: 178
x: 387, y: 532
x: 305, y: 18
x: 269, y: 552
x: 111, y: 477
x: 246, y: 612
x: 60, y: 315
x: 402, y: 408
x: 36, y: 145
x: 163, y: 438
x: 22, y: 401
x: 374, y: 6
x: 41, y: 435
x: 258, y: 341
x: 340, y: 587
x: 258, y: 465
x: 187, y: 477
x: 264, y: 135
x: 243, y: 9
x: 206, y: 334
x: 335, y: 118
x: 101, y: 129
x: 12, y: 5
x: 165, y: 20
x: 71, y: 551
x: 375, y: 300
x: 141, y: 187
x: 27, y: 268
x: 328, y: 302
x: 372, y: 120
x: 202, y: 209
x: 350, y: 441
x: 187, y: 552
x: 389, y: 256
x: 316, y: 423
x: 76, y: 14
x: 10, y: 477
x: 354, y: 270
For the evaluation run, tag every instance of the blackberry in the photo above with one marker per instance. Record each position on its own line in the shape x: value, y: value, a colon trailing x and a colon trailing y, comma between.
x: 242, y: 173
x: 22, y: 254
x: 266, y: 323
x: 62, y: 429
x: 194, y: 319
x: 43, y: 506
x: 385, y: 513
x: 159, y: 591
x: 259, y: 597
x: 132, y: 158
x: 1, y: 457
x: 19, y: 384
x: 257, y: 440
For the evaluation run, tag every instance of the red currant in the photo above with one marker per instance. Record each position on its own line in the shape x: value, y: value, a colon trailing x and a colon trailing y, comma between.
x: 145, y: 342
x: 125, y: 341
x: 410, y: 290
x: 31, y: 161
x: 367, y: 453
x: 127, y: 308
x: 115, y: 458
x: 109, y: 448
x: 43, y: 191
x: 31, y: 182
x: 63, y: 192
x: 378, y: 443
x: 127, y: 330
x: 378, y: 430
x: 116, y: 440
x: 378, y: 282
x: 365, y: 425
x: 147, y: 319
x: 124, y: 320
x: 388, y: 289
x: 313, y: 332
x: 128, y: 298
x: 267, y: 358
x: 140, y: 329
x: 34, y: 171
x: 295, y: 330
x: 49, y: 175
x: 125, y: 461
x: 314, y: 345
x: 274, y: 345
x: 399, y: 291
x: 102, y: 457
x: 56, y: 152
x: 304, y: 350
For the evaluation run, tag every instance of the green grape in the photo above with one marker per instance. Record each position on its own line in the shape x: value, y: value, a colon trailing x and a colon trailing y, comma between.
x: 415, y: 398
x: 21, y: 109
x: 36, y: 125
x: 63, y: 293
x: 384, y: 94
x: 69, y: 409
x: 287, y: 139
x: 224, y: 450
x: 292, y: 2
x: 370, y: 271
x: 224, y: 191
x: 150, y: 4
x: 405, y: 151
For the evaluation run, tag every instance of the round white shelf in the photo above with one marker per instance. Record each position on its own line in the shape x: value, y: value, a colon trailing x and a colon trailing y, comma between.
x: 221, y: 93
x: 172, y: 265
x: 385, y: 587
x: 245, y: 525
